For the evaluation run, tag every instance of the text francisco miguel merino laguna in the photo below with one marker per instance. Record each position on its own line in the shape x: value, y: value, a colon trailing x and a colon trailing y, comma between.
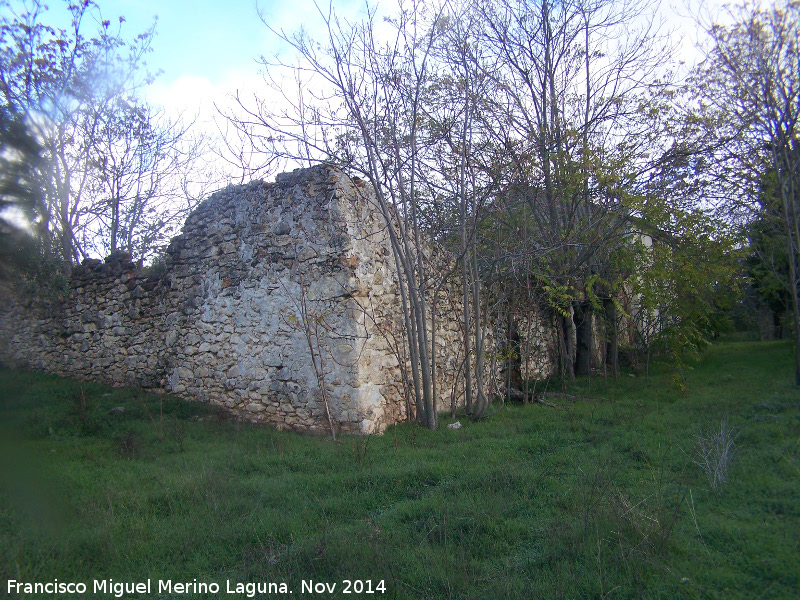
x: 120, y: 588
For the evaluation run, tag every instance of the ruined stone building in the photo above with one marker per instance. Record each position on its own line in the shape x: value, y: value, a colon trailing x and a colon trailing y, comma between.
x: 277, y: 301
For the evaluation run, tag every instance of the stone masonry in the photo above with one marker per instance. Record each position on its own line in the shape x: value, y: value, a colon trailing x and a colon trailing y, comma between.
x: 272, y: 293
x: 278, y: 301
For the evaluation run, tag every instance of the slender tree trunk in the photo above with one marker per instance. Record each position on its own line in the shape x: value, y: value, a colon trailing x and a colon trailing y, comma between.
x: 526, y: 355
x: 792, y: 253
x: 583, y: 315
x: 789, y: 200
x: 481, y: 400
x: 514, y: 352
x: 467, y: 332
x: 433, y: 346
x: 612, y: 335
x: 570, y: 343
x: 465, y: 289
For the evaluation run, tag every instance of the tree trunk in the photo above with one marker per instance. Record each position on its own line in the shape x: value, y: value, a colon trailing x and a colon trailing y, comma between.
x: 795, y: 308
x: 481, y: 399
x: 792, y: 223
x: 514, y: 354
x: 583, y: 323
x: 612, y: 335
x: 465, y: 298
x: 569, y: 341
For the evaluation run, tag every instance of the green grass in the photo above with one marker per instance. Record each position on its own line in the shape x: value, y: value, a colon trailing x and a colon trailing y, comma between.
x: 587, y: 500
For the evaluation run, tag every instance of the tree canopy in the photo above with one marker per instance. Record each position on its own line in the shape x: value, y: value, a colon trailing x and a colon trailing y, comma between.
x: 110, y: 170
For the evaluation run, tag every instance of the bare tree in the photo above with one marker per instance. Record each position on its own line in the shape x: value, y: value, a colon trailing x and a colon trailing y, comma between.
x: 57, y: 78
x: 368, y: 117
x: 141, y: 190
x: 461, y: 182
x: 113, y: 168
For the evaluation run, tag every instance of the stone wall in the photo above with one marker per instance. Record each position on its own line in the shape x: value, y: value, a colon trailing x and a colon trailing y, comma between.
x: 277, y: 301
x: 538, y: 344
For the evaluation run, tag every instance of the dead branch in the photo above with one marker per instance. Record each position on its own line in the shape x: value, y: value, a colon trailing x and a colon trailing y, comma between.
x: 541, y: 398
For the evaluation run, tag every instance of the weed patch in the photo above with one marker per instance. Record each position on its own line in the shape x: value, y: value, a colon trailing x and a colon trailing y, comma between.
x: 714, y: 452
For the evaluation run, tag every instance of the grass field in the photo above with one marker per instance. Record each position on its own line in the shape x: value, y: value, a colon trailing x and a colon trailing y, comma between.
x: 647, y: 493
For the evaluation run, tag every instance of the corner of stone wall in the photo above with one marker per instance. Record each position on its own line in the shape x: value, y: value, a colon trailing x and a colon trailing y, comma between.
x: 278, y: 301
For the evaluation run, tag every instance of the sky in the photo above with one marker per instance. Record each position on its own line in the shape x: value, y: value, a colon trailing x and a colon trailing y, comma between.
x: 206, y: 50
x: 215, y: 39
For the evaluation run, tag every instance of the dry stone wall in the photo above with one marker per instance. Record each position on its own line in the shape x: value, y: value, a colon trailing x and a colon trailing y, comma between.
x: 278, y: 301
x: 538, y: 344
x: 103, y: 330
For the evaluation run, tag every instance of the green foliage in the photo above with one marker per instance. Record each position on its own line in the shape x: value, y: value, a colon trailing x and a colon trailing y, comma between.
x: 558, y: 297
x: 746, y: 97
x: 20, y: 156
x: 587, y: 500
x: 687, y: 267
x: 22, y: 205
x: 768, y: 262
x: 28, y: 265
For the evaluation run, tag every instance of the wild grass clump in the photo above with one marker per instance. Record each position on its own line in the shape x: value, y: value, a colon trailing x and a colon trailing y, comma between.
x: 714, y: 452
x: 129, y: 444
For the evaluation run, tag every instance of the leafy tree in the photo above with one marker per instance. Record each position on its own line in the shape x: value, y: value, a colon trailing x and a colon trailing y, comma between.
x: 20, y: 195
x: 750, y: 99
x: 23, y: 260
x: 571, y: 119
x: 109, y: 163
x: 680, y: 296
x: 20, y: 157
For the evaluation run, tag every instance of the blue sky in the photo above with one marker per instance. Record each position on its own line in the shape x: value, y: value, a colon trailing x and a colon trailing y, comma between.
x: 206, y: 38
x: 207, y: 49
x: 212, y: 44
x: 210, y: 48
